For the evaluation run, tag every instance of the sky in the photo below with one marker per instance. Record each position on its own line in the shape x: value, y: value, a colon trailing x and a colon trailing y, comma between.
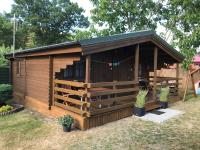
x: 5, y: 5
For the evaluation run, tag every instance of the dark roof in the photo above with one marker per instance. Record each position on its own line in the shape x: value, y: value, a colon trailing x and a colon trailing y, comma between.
x: 116, y: 37
x: 149, y: 34
x: 48, y: 47
x: 89, y: 43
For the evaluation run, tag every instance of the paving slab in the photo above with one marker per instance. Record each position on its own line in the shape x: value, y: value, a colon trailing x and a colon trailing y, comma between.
x: 161, y: 115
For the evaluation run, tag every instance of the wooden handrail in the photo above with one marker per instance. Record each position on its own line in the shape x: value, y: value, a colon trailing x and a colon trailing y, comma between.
x: 110, y: 91
x: 71, y: 100
x: 79, y: 93
x: 115, y: 83
x: 111, y: 100
x: 166, y: 78
x: 70, y: 83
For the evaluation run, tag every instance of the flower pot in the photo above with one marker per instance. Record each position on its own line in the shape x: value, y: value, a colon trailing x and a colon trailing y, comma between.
x: 164, y: 105
x: 66, y: 128
x: 139, y: 111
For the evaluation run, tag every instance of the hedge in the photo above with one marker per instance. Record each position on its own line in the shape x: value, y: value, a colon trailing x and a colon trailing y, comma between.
x: 5, y: 92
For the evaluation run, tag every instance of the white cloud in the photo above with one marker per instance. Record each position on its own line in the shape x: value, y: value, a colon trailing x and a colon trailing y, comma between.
x: 5, y: 5
x: 85, y: 4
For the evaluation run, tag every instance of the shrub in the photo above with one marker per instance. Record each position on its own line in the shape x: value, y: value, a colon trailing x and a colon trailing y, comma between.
x: 5, y: 92
x: 5, y: 108
x: 140, y: 102
x: 66, y: 120
x: 164, y: 93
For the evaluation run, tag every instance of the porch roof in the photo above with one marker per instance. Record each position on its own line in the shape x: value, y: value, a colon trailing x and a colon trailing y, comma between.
x: 100, y: 44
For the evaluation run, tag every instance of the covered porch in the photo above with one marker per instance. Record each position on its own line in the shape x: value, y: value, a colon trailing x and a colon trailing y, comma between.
x: 103, y: 86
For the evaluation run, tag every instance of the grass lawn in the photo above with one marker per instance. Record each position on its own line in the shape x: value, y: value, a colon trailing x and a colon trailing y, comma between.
x: 30, y: 130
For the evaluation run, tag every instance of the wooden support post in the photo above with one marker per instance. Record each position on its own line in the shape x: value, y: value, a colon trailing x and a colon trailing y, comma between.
x: 87, y: 77
x: 155, y: 73
x: 193, y: 85
x: 136, y: 70
x: 186, y: 88
x: 88, y: 69
x: 177, y: 79
x: 25, y: 78
x: 50, y: 82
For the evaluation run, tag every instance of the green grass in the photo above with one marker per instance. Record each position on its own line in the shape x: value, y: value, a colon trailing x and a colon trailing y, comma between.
x: 26, y: 130
x: 21, y: 126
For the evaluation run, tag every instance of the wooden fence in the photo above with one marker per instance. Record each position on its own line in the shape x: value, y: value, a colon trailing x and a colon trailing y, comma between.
x: 4, y: 75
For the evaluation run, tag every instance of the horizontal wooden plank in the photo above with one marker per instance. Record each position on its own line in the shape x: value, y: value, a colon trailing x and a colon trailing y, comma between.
x: 70, y: 83
x: 104, y: 84
x: 79, y: 93
x: 111, y: 91
x: 103, y: 110
x: 69, y: 108
x: 164, y: 78
x: 68, y: 99
x: 111, y: 100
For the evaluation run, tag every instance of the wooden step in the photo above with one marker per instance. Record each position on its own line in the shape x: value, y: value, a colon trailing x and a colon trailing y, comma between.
x: 151, y: 106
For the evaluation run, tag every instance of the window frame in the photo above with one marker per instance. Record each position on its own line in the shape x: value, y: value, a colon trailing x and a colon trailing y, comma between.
x: 18, y: 68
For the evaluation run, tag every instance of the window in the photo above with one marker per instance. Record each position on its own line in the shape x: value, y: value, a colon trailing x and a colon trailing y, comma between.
x: 18, y: 68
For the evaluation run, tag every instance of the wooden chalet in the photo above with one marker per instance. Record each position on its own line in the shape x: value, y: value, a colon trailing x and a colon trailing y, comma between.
x: 94, y: 80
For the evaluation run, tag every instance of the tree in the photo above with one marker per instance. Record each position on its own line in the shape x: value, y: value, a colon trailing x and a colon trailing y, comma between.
x: 124, y: 15
x: 3, y: 51
x: 51, y: 21
x: 91, y: 32
x: 6, y: 32
x: 182, y: 18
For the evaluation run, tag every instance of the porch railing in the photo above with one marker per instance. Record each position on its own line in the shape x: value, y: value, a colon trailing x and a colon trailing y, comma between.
x: 171, y: 82
x: 94, y: 98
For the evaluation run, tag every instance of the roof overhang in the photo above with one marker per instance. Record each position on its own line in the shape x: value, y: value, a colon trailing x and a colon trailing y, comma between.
x: 61, y: 48
x: 97, y: 45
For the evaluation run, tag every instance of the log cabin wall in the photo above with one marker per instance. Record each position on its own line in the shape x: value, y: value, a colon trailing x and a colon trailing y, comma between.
x: 37, y: 78
x: 32, y: 82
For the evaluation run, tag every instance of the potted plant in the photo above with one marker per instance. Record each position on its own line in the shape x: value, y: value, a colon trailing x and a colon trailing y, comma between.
x: 139, y: 109
x: 164, y: 94
x: 66, y: 121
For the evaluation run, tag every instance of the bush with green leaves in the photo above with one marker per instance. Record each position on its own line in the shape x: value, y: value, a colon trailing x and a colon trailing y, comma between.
x: 140, y: 102
x: 5, y: 92
x: 5, y: 108
x: 66, y: 120
x: 164, y: 94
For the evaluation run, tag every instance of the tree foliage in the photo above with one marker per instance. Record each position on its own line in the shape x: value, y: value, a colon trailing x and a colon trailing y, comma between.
x: 3, y: 51
x: 124, y: 15
x: 50, y: 21
x: 182, y: 18
x: 6, y: 32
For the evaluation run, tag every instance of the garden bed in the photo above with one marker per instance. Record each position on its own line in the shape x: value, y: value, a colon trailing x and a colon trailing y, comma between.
x: 16, y: 108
